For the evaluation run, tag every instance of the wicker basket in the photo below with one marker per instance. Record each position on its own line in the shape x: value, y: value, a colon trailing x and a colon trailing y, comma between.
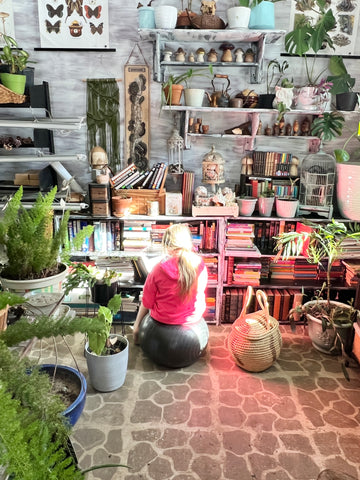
x: 3, y: 318
x: 8, y: 96
x: 255, y: 339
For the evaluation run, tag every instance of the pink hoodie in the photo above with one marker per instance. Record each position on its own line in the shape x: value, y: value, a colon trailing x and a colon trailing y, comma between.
x: 161, y: 296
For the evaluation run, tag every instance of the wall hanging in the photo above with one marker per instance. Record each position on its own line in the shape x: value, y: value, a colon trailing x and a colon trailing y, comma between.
x: 73, y: 24
x: 137, y: 118
x: 103, y: 118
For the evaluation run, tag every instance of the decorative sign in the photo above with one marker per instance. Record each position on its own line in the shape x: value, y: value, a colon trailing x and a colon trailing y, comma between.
x: 6, y: 19
x: 346, y: 13
x: 137, y: 115
x: 73, y: 23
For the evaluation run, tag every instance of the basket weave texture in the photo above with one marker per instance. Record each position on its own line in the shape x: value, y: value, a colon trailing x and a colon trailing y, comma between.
x: 3, y: 318
x: 8, y: 96
x: 255, y: 339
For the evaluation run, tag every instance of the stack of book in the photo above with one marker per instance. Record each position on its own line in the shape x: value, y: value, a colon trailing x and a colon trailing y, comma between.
x: 156, y: 235
x: 272, y: 164
x: 282, y: 269
x: 212, y: 269
x: 352, y: 273
x: 303, y: 270
x: 204, y: 236
x: 240, y: 240
x: 136, y: 235
x: 131, y: 177
x: 337, y: 270
x: 246, y: 272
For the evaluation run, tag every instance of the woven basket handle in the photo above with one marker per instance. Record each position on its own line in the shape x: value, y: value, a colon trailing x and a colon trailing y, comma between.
x: 264, y: 305
x: 246, y: 303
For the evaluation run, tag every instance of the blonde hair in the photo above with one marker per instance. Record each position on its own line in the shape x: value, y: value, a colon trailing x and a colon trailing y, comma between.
x: 177, y: 241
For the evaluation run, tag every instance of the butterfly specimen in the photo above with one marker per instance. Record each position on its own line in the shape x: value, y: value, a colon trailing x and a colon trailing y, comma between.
x: 53, y: 28
x: 93, y: 12
x: 98, y: 29
x: 74, y: 6
x: 55, y: 11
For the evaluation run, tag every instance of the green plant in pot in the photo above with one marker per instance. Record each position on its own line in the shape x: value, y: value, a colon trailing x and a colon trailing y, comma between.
x: 17, y: 60
x: 266, y: 202
x: 36, y: 254
x: 322, y: 244
x: 34, y: 436
x: 274, y: 73
x: 309, y: 36
x: 342, y: 84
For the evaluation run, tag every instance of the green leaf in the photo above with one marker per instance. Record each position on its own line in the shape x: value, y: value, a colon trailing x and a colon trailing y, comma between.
x: 341, y: 155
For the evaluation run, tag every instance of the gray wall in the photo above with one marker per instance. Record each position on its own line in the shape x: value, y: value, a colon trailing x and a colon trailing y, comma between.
x: 65, y: 71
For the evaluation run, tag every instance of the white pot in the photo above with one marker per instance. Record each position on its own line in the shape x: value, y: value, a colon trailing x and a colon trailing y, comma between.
x: 286, y: 207
x: 165, y: 16
x: 348, y: 191
x: 48, y: 284
x: 108, y: 372
x: 284, y: 95
x: 194, y: 97
x: 238, y: 17
x: 246, y: 206
x: 265, y: 206
x: 306, y: 98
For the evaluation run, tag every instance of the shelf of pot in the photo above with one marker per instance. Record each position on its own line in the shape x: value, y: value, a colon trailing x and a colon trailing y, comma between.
x: 214, y: 64
x: 193, y: 35
x: 184, y: 108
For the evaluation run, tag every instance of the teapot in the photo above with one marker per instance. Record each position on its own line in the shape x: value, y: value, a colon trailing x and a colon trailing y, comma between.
x: 219, y: 98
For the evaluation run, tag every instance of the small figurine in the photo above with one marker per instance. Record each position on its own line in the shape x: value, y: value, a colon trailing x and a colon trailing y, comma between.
x: 208, y: 7
x: 180, y: 55
x: 288, y: 130
x: 227, y: 55
x: 200, y: 52
x: 305, y: 127
x: 239, y: 55
x: 212, y: 55
x: 276, y: 129
x: 249, y: 56
x: 259, y: 130
x: 294, y: 172
x: 191, y: 58
x: 282, y: 127
x: 268, y: 131
x: 167, y: 55
x: 296, y: 128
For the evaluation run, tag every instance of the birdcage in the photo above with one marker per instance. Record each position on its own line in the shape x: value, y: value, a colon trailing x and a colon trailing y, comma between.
x: 317, y: 183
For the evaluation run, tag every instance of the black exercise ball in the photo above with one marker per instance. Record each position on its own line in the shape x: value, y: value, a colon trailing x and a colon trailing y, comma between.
x: 173, y: 346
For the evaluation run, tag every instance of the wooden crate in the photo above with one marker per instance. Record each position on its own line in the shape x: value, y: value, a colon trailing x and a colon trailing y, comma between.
x: 98, y: 191
x: 141, y: 199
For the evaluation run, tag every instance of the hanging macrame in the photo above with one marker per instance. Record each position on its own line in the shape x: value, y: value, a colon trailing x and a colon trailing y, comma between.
x: 103, y: 118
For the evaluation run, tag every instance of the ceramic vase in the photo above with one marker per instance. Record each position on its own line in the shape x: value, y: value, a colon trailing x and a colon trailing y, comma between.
x: 262, y: 16
x: 246, y: 206
x: 265, y: 206
x: 286, y: 207
x: 146, y: 17
x: 194, y: 97
x: 165, y: 17
x: 238, y: 17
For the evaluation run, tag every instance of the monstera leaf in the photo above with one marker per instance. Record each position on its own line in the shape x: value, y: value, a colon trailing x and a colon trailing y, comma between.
x: 328, y: 125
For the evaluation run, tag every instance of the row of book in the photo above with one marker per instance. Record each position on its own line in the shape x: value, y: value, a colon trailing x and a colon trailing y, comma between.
x: 352, y: 271
x: 205, y: 236
x: 281, y: 187
x: 188, y: 192
x: 273, y: 164
x: 131, y: 177
x: 281, y: 301
x: 240, y: 239
x: 212, y: 269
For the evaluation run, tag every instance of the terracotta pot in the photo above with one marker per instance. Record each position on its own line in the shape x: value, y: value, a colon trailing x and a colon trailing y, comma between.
x: 286, y: 207
x: 121, y: 206
x: 173, y: 97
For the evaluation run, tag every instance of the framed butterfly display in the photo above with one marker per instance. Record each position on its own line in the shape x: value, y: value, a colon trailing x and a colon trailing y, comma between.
x: 73, y: 23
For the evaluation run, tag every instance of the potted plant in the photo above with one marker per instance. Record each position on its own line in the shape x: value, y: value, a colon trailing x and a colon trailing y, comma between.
x: 239, y: 16
x: 107, y: 355
x: 272, y: 80
x: 121, y: 202
x: 36, y: 253
x: 262, y: 14
x: 17, y: 60
x: 284, y: 93
x: 32, y: 427
x: 146, y: 15
x: 310, y: 35
x: 287, y: 205
x: 246, y: 205
x: 266, y: 202
x: 330, y: 323
x: 102, y: 283
x: 342, y: 84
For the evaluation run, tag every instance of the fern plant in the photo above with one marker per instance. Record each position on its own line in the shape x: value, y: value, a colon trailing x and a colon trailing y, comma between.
x: 33, y: 249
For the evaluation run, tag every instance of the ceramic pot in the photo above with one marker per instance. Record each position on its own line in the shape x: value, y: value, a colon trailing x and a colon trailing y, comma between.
x: 120, y: 206
x: 238, y: 17
x: 194, y: 97
x: 108, y: 372
x: 265, y: 206
x: 14, y: 82
x: 346, y: 101
x: 51, y: 284
x: 262, y: 16
x: 348, y: 191
x: 102, y: 293
x: 146, y: 17
x: 173, y: 97
x: 165, y: 17
x: 266, y: 100
x: 286, y: 207
x: 284, y: 95
x: 306, y: 98
x: 325, y: 340
x: 246, y: 206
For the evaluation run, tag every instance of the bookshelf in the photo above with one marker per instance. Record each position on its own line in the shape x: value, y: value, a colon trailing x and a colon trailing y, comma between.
x: 238, y: 251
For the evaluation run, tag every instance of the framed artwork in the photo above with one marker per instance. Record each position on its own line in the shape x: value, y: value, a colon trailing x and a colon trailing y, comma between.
x: 73, y: 23
x: 346, y: 13
x: 6, y: 19
x: 137, y: 116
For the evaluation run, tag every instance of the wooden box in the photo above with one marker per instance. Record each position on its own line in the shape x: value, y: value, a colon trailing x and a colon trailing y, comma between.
x: 100, y: 208
x: 141, y: 199
x: 98, y: 191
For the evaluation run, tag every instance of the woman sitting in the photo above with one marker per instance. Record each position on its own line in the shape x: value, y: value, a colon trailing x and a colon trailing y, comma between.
x: 169, y: 326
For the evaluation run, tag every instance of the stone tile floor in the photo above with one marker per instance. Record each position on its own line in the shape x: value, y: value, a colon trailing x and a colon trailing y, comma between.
x: 214, y: 421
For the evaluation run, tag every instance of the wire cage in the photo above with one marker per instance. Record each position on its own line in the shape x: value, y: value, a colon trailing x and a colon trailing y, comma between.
x: 317, y: 183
